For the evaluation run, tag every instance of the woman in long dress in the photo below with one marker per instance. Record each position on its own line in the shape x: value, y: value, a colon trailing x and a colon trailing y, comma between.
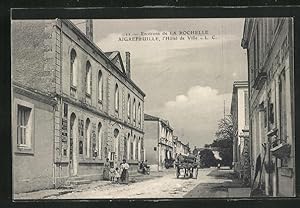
x: 124, y: 172
x: 106, y: 170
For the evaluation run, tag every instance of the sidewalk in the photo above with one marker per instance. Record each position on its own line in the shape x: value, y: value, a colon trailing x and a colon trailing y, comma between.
x: 48, y: 193
x: 220, y: 183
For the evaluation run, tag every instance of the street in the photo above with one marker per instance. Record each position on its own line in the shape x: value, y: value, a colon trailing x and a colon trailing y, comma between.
x: 211, y: 182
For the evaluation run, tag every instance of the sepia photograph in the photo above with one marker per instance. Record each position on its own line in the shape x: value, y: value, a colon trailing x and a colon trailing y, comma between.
x: 156, y: 108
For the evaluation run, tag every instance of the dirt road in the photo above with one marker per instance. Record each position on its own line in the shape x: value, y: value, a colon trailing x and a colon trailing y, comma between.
x: 167, y: 186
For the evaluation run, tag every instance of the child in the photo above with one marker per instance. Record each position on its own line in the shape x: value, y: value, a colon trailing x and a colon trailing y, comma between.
x: 117, y: 175
x: 112, y: 174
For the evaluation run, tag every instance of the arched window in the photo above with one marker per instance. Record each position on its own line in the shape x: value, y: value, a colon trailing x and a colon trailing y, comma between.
x: 134, y: 110
x: 73, y: 68
x: 88, y: 78
x: 128, y: 147
x: 128, y: 106
x: 87, y: 137
x: 99, y: 140
x: 100, y: 86
x: 117, y: 145
x: 134, y: 148
x: 139, y: 114
x: 139, y: 149
x: 116, y: 98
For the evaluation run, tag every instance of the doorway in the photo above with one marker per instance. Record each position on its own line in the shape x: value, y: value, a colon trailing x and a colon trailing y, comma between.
x: 72, y: 146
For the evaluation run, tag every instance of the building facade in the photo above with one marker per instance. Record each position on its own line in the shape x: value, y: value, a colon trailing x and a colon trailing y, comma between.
x: 158, y: 141
x: 269, y: 43
x: 240, y: 119
x: 179, y: 147
x: 94, y: 108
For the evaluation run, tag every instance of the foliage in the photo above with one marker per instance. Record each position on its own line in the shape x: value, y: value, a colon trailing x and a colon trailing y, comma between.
x: 224, y: 140
x: 207, y: 158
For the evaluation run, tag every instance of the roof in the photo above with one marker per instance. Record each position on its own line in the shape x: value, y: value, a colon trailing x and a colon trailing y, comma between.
x: 240, y: 83
x: 116, y: 58
x: 150, y: 118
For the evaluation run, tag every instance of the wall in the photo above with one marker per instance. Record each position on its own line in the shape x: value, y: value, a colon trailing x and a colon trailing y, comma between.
x: 97, y: 111
x: 276, y: 55
x: 33, y: 54
x: 34, y: 171
x: 110, y: 78
x: 151, y: 141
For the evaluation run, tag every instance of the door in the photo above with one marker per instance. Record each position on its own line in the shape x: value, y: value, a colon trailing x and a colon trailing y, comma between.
x: 71, y: 161
x: 72, y: 147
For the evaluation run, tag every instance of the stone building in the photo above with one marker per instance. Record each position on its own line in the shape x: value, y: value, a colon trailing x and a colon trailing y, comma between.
x: 180, y: 147
x: 158, y: 141
x: 240, y: 119
x: 73, y: 106
x: 269, y: 43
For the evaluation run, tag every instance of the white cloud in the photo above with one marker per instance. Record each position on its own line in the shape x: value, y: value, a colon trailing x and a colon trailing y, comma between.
x: 196, y: 113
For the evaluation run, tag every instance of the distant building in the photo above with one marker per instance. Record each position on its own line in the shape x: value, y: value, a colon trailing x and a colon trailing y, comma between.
x: 270, y: 43
x: 158, y: 141
x: 240, y: 120
x: 73, y: 106
x: 180, y: 147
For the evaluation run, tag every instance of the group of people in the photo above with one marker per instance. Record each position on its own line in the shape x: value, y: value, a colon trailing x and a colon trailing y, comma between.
x: 116, y: 174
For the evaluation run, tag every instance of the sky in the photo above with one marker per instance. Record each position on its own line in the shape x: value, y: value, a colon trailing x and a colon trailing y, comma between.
x: 185, y: 81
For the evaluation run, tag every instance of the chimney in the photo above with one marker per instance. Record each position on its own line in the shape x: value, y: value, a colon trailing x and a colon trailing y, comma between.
x: 128, y: 64
x: 89, y: 29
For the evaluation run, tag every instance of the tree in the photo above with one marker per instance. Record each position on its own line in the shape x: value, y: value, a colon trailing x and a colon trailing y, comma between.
x: 224, y: 139
x: 207, y: 158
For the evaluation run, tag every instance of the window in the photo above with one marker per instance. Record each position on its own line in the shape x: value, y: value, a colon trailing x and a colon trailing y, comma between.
x: 128, y: 107
x: 99, y: 140
x: 117, y: 145
x: 116, y: 98
x: 134, y: 110
x: 125, y: 148
x: 246, y: 108
x: 73, y: 70
x: 24, y: 126
x: 139, y: 114
x: 128, y: 146
x: 87, y: 138
x: 100, y: 86
x: 131, y: 150
x: 257, y: 50
x: 282, y: 107
x: 88, y: 80
x: 134, y: 148
x: 139, y: 149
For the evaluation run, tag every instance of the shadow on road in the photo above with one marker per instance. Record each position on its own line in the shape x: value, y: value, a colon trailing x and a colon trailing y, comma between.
x: 220, y: 183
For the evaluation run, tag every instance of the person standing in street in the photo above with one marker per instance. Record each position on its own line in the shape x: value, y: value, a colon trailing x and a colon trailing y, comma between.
x: 124, y: 172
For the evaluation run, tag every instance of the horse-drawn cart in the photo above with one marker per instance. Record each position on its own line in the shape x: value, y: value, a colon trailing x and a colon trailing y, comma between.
x: 186, y: 166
